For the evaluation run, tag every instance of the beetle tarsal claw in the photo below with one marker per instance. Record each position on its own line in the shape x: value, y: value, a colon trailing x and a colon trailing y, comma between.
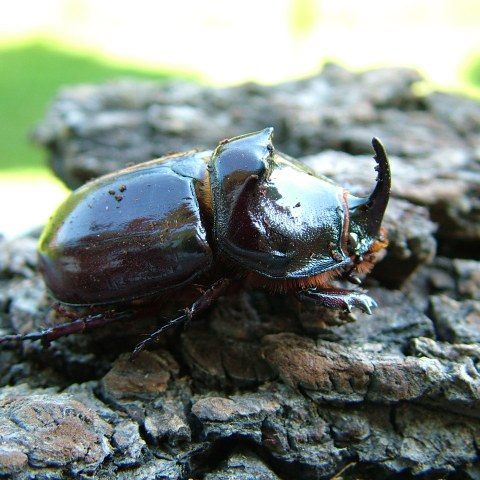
x: 360, y: 300
x: 364, y: 302
x: 339, y: 298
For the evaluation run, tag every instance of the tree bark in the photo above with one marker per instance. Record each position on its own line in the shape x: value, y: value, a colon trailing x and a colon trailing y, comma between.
x: 263, y: 386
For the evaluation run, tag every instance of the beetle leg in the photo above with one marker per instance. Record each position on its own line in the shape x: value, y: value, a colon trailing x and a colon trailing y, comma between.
x: 80, y: 325
x: 198, y: 307
x: 338, y: 298
x: 354, y: 279
x: 351, y: 277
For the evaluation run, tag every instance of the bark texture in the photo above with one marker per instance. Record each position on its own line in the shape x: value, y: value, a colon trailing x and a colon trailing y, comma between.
x: 261, y: 386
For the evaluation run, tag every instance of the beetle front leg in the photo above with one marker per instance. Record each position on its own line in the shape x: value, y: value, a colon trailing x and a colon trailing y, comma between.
x: 198, y: 307
x: 338, y: 298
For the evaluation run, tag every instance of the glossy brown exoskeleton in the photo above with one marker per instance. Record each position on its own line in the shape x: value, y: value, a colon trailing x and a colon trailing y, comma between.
x: 242, y: 210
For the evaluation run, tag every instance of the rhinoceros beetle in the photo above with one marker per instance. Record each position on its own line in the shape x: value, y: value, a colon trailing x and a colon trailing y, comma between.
x: 243, y: 211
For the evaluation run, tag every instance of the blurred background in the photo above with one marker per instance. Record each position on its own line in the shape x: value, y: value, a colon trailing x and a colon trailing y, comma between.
x: 53, y: 43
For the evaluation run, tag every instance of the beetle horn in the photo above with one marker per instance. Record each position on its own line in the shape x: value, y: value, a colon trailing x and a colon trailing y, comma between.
x: 368, y: 212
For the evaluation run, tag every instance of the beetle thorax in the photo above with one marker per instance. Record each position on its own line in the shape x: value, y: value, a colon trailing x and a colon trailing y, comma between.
x: 286, y: 224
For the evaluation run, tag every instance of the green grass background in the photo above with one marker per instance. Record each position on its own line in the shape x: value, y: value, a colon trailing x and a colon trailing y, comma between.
x: 30, y: 76
x: 32, y: 73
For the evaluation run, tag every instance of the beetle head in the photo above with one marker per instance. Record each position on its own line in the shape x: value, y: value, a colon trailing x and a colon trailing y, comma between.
x: 366, y: 214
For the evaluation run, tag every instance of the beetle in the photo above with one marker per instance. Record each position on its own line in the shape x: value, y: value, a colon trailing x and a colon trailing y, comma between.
x: 242, y: 211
